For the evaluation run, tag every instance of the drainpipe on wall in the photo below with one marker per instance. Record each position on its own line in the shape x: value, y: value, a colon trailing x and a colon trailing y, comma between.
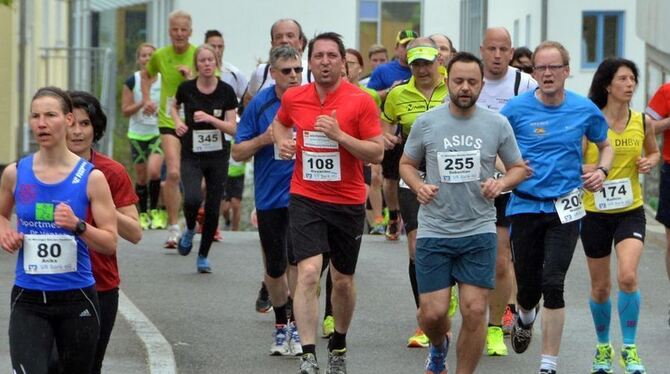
x: 21, y: 81
x: 543, y: 29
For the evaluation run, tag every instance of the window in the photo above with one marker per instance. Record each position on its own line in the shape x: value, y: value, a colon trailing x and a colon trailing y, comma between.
x: 380, y: 21
x: 602, y: 37
x: 527, y: 43
x: 515, y: 37
x: 473, y: 24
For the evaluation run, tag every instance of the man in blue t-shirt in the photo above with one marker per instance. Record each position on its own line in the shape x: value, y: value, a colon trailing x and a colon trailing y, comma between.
x: 272, y: 178
x: 549, y: 124
x: 385, y: 76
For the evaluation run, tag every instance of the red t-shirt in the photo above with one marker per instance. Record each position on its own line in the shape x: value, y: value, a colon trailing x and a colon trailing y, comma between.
x: 324, y: 170
x: 659, y: 108
x: 105, y: 268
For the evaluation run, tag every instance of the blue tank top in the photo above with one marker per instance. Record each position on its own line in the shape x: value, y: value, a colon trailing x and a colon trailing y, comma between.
x: 35, y: 205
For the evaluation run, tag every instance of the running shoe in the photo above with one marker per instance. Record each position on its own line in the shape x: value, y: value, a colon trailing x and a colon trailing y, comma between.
x: 602, y: 362
x: 173, y: 237
x: 337, y: 361
x: 393, y: 229
x: 158, y: 220
x: 507, y: 320
x: 203, y: 265
x: 453, y: 302
x: 263, y: 302
x: 308, y: 364
x: 520, y: 336
x: 328, y: 327
x: 436, y: 362
x: 418, y: 340
x: 186, y: 242
x: 378, y: 230
x: 495, y: 343
x: 630, y: 360
x: 145, y: 221
x: 280, y: 339
x: 294, y: 340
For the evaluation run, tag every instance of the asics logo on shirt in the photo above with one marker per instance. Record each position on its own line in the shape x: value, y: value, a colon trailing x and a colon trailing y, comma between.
x: 462, y: 140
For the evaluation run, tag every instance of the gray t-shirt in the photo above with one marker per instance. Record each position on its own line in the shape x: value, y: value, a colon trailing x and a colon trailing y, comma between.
x: 460, y: 153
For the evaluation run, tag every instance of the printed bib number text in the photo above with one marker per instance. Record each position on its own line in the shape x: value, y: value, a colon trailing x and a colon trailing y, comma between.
x: 49, y: 254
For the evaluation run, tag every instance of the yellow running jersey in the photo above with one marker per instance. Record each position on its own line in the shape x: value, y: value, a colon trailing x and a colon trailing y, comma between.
x: 621, y: 191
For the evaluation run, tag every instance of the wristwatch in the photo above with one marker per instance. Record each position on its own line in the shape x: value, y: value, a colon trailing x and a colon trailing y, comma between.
x: 604, y: 170
x: 80, y: 228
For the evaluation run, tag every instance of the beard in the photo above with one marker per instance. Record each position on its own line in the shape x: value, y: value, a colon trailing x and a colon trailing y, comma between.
x: 464, y: 105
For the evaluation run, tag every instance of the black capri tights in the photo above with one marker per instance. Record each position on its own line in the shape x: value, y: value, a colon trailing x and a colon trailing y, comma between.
x: 542, y: 250
x: 215, y: 171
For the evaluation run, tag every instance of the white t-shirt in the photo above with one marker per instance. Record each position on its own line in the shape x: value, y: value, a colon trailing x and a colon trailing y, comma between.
x: 234, y: 77
x: 257, y: 83
x: 496, y: 93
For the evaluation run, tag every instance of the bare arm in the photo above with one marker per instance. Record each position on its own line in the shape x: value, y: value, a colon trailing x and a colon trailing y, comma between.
x: 101, y: 237
x: 10, y: 239
x: 389, y: 132
x: 593, y: 179
x: 149, y: 106
x: 369, y: 150
x: 659, y: 125
x: 283, y: 137
x: 243, y: 151
x: 229, y: 125
x: 128, y: 105
x: 409, y: 172
x: 128, y: 223
x: 515, y: 174
x: 651, y: 153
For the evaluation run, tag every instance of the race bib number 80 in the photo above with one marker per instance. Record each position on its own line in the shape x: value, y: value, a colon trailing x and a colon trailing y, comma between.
x: 49, y: 254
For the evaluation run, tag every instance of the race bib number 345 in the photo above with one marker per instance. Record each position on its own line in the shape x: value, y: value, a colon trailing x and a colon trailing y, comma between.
x: 207, y: 141
x: 49, y: 254
x: 459, y: 167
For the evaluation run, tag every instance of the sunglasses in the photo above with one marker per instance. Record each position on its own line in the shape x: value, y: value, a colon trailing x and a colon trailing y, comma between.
x: 287, y: 71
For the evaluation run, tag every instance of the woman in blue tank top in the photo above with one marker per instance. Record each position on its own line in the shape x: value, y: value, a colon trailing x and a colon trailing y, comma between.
x: 53, y: 191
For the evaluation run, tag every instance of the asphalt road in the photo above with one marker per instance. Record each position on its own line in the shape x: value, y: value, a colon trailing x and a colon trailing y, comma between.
x: 212, y: 327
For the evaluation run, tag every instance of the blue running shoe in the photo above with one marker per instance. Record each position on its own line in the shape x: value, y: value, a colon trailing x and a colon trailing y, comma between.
x: 186, y: 242
x: 203, y: 265
x: 436, y: 362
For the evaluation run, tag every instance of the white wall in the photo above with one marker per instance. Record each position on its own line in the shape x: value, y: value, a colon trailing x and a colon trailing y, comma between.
x: 505, y: 13
x: 247, y: 38
x: 442, y: 16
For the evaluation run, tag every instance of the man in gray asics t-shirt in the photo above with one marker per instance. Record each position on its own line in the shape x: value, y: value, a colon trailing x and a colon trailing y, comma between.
x: 456, y: 239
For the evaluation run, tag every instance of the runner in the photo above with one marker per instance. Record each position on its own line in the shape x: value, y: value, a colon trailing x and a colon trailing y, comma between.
x: 426, y: 89
x: 89, y: 126
x: 549, y: 124
x: 272, y: 178
x: 659, y: 110
x: 209, y: 106
x: 456, y: 240
x: 616, y: 213
x: 337, y: 132
x: 145, y: 141
x: 54, y: 190
x: 229, y: 73
x: 501, y: 83
x: 175, y: 64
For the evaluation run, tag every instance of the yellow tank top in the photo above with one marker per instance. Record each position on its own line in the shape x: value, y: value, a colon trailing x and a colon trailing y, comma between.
x: 627, y: 147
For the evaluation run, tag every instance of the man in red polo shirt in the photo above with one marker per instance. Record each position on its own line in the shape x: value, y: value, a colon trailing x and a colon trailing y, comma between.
x: 659, y: 110
x: 337, y: 130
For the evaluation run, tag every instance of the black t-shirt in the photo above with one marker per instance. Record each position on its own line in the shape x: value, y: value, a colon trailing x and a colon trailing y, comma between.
x: 222, y: 99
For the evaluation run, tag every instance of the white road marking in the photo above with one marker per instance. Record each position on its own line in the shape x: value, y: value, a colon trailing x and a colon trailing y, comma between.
x: 159, y: 351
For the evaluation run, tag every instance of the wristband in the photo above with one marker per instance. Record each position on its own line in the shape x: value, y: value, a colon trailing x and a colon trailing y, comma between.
x: 604, y: 170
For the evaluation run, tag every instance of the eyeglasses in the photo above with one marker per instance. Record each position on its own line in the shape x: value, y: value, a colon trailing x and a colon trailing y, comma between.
x: 553, y: 68
x: 287, y: 71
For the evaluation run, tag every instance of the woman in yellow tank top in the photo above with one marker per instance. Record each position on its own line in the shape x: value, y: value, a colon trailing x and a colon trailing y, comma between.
x: 615, y: 214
